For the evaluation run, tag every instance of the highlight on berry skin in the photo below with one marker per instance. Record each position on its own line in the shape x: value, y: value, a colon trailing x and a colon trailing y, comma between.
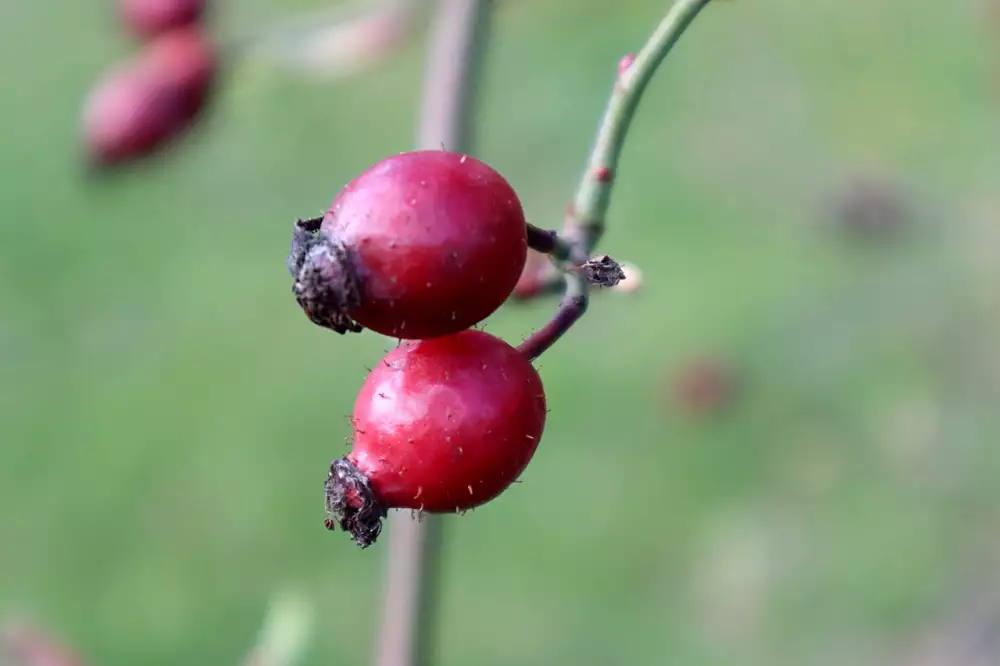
x: 440, y: 426
x: 420, y: 245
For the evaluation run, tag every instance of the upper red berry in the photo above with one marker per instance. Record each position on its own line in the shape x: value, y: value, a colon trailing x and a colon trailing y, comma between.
x: 440, y: 425
x: 149, y: 18
x: 420, y: 245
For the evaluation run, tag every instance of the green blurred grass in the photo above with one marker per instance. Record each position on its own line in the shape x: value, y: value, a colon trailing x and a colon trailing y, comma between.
x: 167, y: 413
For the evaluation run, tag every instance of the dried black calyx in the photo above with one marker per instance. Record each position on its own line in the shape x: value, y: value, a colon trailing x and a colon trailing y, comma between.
x: 326, y: 284
x: 304, y: 235
x: 352, y: 504
x: 603, y: 271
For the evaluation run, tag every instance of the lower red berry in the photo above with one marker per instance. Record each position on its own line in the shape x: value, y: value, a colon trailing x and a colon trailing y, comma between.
x: 422, y: 244
x: 441, y: 425
x: 127, y: 116
x: 141, y: 106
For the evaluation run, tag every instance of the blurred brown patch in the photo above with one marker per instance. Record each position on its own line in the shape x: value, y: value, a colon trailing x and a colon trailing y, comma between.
x: 703, y: 387
x: 869, y: 208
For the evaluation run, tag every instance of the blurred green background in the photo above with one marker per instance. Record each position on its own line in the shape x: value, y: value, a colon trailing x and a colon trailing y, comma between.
x: 167, y: 413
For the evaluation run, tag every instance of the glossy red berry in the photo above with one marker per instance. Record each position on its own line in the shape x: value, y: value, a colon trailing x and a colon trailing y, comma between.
x: 422, y: 244
x: 141, y: 106
x: 149, y: 18
x: 440, y: 425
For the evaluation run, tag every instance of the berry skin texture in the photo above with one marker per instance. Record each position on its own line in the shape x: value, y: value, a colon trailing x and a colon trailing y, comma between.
x: 144, y: 104
x: 440, y: 425
x: 146, y: 19
x: 421, y: 245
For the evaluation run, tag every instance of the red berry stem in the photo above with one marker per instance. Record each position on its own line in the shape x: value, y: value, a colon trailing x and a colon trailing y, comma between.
x: 454, y: 61
x: 573, y: 305
x: 585, y: 218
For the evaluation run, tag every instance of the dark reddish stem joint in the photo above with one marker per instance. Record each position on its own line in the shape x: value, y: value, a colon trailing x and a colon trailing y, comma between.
x: 570, y: 310
x: 542, y: 240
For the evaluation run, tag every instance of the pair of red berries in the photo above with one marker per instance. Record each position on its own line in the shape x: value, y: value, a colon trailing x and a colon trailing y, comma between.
x: 145, y: 103
x: 422, y: 246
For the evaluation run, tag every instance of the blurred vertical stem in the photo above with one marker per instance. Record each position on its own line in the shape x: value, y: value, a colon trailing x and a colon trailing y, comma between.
x: 409, y: 607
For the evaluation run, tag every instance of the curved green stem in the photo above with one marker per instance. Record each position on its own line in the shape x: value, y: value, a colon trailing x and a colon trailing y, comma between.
x: 585, y: 223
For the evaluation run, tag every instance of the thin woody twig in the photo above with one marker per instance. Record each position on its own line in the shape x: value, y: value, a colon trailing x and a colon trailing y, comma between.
x: 458, y: 40
x: 573, y: 306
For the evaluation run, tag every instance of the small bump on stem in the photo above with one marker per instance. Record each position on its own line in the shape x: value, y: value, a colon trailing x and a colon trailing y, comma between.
x: 625, y: 63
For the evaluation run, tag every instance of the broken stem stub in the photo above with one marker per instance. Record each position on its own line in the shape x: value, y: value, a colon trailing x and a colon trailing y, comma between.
x: 600, y: 270
x: 326, y: 282
x: 603, y: 271
x: 352, y: 504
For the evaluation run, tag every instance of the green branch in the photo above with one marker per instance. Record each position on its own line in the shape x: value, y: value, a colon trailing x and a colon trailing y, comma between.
x: 585, y: 222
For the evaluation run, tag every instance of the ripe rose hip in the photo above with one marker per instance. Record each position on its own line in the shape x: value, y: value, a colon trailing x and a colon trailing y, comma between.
x: 141, y: 106
x: 422, y: 244
x: 441, y: 425
x: 186, y: 61
x: 149, y: 18
x: 127, y: 116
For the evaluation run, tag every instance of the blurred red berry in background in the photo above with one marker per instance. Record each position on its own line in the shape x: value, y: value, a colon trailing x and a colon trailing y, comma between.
x: 143, y: 104
x: 148, y: 18
x: 703, y: 387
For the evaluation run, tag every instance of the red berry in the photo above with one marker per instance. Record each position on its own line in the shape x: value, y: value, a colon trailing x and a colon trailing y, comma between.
x: 149, y: 18
x: 422, y: 244
x: 185, y: 60
x: 127, y: 116
x: 441, y: 425
x: 141, y: 106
